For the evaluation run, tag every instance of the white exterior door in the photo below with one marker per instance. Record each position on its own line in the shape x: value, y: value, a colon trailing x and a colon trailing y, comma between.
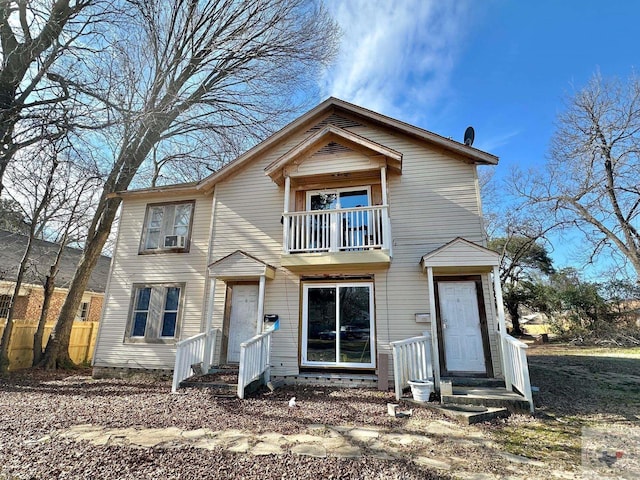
x: 461, y: 332
x: 242, y: 319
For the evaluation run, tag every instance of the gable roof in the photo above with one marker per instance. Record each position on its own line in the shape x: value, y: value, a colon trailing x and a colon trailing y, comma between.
x: 42, y: 256
x: 239, y: 265
x: 460, y: 252
x: 334, y: 105
x: 323, y: 114
x: 325, y: 136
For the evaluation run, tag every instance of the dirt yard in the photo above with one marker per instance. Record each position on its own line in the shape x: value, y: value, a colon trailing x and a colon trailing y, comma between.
x: 71, y: 426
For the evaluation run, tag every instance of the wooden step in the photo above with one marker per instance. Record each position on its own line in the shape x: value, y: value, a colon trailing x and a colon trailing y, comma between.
x: 218, y: 389
x: 474, y: 381
x: 487, y: 397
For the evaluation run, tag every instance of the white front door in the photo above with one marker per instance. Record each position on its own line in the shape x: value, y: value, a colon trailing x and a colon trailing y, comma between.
x: 242, y: 319
x: 461, y: 334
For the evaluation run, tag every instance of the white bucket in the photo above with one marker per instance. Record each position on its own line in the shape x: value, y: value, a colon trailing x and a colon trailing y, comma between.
x: 421, y: 389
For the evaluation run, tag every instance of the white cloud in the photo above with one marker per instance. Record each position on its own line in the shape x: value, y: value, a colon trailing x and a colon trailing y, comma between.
x: 396, y: 56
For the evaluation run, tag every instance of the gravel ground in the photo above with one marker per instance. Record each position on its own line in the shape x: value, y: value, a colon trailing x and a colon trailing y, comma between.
x: 576, y: 390
x: 35, y: 404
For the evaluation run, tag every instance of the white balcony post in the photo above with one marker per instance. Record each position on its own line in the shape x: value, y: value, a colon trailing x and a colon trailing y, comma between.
x: 335, y: 231
x: 386, y: 222
x: 285, y: 210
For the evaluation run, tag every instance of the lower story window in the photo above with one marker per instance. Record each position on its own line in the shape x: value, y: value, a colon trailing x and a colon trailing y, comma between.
x: 155, y: 313
x: 338, y: 325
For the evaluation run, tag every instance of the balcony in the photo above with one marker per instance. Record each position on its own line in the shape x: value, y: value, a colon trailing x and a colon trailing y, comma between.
x: 339, y: 237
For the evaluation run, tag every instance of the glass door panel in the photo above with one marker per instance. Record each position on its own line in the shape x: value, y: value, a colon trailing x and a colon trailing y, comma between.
x: 338, y: 325
x: 355, y: 325
x: 355, y: 224
x: 319, y: 225
x: 321, y: 325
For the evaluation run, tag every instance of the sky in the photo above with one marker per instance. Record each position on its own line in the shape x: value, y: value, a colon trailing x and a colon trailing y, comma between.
x: 504, y: 67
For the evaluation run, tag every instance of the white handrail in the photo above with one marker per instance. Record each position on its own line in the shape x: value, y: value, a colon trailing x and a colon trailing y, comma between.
x: 255, y: 357
x: 344, y: 229
x: 190, y: 351
x: 516, y: 367
x: 411, y: 361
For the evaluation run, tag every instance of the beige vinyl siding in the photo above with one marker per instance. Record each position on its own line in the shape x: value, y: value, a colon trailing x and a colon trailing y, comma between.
x: 345, y: 162
x: 129, y: 267
x: 432, y: 202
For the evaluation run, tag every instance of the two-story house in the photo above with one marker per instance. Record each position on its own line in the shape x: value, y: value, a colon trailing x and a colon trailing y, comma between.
x: 352, y: 229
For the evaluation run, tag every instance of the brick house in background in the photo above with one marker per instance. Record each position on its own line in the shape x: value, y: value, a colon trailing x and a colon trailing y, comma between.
x: 30, y: 297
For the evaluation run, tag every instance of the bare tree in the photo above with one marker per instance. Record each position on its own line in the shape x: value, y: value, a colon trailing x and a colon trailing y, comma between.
x: 224, y: 68
x: 34, y: 37
x: 591, y: 178
x: 43, y: 185
x: 72, y: 200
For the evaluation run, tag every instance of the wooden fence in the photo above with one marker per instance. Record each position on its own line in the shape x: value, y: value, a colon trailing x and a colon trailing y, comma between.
x: 81, y: 344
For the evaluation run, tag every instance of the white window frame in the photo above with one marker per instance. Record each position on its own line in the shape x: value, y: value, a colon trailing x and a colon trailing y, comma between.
x: 5, y: 303
x: 168, y: 227
x: 337, y: 191
x: 155, y: 313
x: 83, y: 312
x: 305, y: 324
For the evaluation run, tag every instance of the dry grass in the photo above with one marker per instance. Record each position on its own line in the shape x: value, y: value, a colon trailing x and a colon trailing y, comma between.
x: 579, y: 387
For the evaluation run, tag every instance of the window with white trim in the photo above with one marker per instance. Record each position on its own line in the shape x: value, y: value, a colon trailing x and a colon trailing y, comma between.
x: 5, y: 302
x: 167, y: 227
x: 83, y: 312
x: 155, y: 313
x: 338, y: 325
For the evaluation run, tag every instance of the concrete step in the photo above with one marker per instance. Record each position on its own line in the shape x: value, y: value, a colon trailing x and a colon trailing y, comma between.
x: 469, y: 414
x: 487, y: 397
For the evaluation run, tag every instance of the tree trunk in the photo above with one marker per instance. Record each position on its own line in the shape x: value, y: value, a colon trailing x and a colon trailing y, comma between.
x: 56, y: 355
x: 514, y: 313
x: 49, y: 287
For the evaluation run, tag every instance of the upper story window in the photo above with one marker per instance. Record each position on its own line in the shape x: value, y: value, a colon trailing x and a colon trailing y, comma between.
x: 167, y: 227
x: 338, y: 198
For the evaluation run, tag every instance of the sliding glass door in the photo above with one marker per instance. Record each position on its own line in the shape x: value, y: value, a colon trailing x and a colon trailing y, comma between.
x: 338, y: 325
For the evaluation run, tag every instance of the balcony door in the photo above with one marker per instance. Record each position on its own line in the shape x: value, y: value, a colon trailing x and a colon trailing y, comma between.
x: 351, y: 220
x: 338, y: 325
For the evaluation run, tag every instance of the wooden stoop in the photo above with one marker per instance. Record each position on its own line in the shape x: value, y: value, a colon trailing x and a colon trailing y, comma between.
x: 222, y: 380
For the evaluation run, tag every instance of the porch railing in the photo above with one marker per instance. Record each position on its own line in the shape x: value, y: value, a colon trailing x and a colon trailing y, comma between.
x: 191, y: 351
x: 255, y: 355
x: 516, y: 374
x: 345, y: 229
x: 411, y: 361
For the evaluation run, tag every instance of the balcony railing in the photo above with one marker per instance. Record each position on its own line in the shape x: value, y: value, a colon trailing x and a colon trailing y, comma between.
x: 345, y: 229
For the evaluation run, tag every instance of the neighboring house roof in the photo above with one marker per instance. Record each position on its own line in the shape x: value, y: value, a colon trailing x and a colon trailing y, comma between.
x: 42, y: 256
x: 324, y: 113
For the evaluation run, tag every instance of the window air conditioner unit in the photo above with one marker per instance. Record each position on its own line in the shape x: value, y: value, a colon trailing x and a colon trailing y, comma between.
x: 174, y: 241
